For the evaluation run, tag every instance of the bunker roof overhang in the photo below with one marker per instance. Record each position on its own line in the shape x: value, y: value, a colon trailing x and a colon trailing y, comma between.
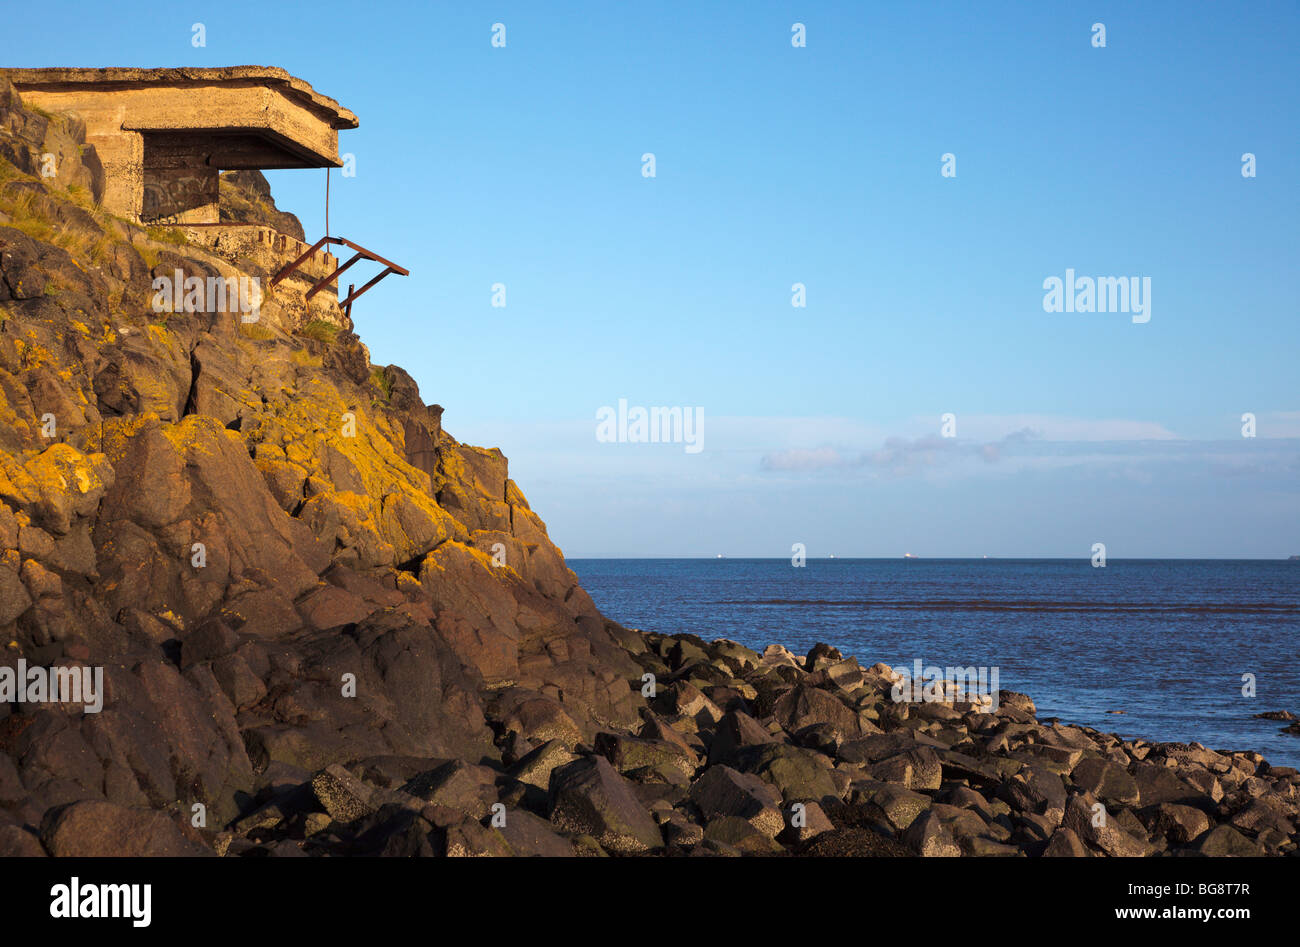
x: 253, y: 116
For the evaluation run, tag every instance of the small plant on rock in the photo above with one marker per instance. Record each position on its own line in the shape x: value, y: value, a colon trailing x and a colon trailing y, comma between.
x: 320, y: 331
x: 380, y: 378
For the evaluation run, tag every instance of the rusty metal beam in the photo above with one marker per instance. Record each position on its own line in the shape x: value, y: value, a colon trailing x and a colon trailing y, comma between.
x: 333, y: 276
x: 401, y: 271
x: 302, y: 259
x: 361, y: 254
x: 354, y: 296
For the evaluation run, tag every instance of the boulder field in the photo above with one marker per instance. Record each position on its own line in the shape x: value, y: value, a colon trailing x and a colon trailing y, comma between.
x: 327, y: 627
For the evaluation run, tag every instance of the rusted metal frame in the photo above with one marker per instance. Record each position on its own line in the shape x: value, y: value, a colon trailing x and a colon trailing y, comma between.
x: 333, y: 276
x: 360, y: 254
x: 374, y: 256
x: 347, y: 303
x: 303, y: 259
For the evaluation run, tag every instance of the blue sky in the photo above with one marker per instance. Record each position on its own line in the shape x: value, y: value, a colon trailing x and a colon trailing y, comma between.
x: 819, y: 165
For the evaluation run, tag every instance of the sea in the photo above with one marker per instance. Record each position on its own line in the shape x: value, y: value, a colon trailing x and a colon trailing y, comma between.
x: 1169, y: 650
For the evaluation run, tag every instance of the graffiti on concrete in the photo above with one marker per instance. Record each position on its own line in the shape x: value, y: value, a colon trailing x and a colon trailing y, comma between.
x: 171, y: 192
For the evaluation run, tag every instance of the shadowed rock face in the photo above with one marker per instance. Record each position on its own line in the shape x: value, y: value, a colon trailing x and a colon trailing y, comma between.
x: 325, y: 626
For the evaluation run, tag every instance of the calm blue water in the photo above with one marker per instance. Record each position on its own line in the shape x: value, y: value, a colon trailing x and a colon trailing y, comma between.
x: 1165, y: 641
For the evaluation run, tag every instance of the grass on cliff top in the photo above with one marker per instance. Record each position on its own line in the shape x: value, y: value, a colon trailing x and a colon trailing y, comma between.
x: 256, y: 332
x: 320, y: 331
x: 9, y: 172
x: 168, y: 235
x: 19, y: 205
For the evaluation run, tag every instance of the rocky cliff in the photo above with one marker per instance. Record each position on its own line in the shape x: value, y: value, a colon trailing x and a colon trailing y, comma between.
x: 325, y: 626
x: 238, y: 522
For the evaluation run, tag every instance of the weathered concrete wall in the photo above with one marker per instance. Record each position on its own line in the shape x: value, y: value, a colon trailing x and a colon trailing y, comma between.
x: 173, y: 130
x: 179, y: 186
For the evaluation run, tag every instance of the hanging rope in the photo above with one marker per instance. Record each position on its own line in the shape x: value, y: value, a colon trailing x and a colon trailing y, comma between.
x: 327, y: 201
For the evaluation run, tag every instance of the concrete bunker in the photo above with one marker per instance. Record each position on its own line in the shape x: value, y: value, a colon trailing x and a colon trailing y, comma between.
x: 165, y: 135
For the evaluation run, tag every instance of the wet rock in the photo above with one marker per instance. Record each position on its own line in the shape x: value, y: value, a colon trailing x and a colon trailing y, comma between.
x: 799, y: 775
x: 723, y: 791
x: 1275, y: 715
x: 1098, y: 828
x: 919, y: 768
x: 821, y: 655
x: 680, y: 832
x: 457, y: 785
x: 778, y: 655
x: 929, y: 838
x: 1012, y: 703
x: 1106, y: 780
x: 870, y: 749
x: 530, y: 836
x: 898, y: 806
x: 1034, y: 789
x: 589, y: 797
x: 469, y: 839
x: 1157, y: 784
x: 686, y: 700
x: 1065, y: 844
x: 741, y: 835
x: 1179, y: 824
x: 535, y: 768
x: 341, y: 794
x: 628, y: 754
x: 735, y: 732
x: 804, y: 821
x: 1262, y: 814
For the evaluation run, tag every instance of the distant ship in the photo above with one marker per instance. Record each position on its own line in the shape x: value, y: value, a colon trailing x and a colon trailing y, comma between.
x: 908, y: 555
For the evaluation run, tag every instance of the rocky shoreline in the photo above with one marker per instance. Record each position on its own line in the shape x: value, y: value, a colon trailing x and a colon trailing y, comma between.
x: 746, y: 754
x: 740, y: 753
